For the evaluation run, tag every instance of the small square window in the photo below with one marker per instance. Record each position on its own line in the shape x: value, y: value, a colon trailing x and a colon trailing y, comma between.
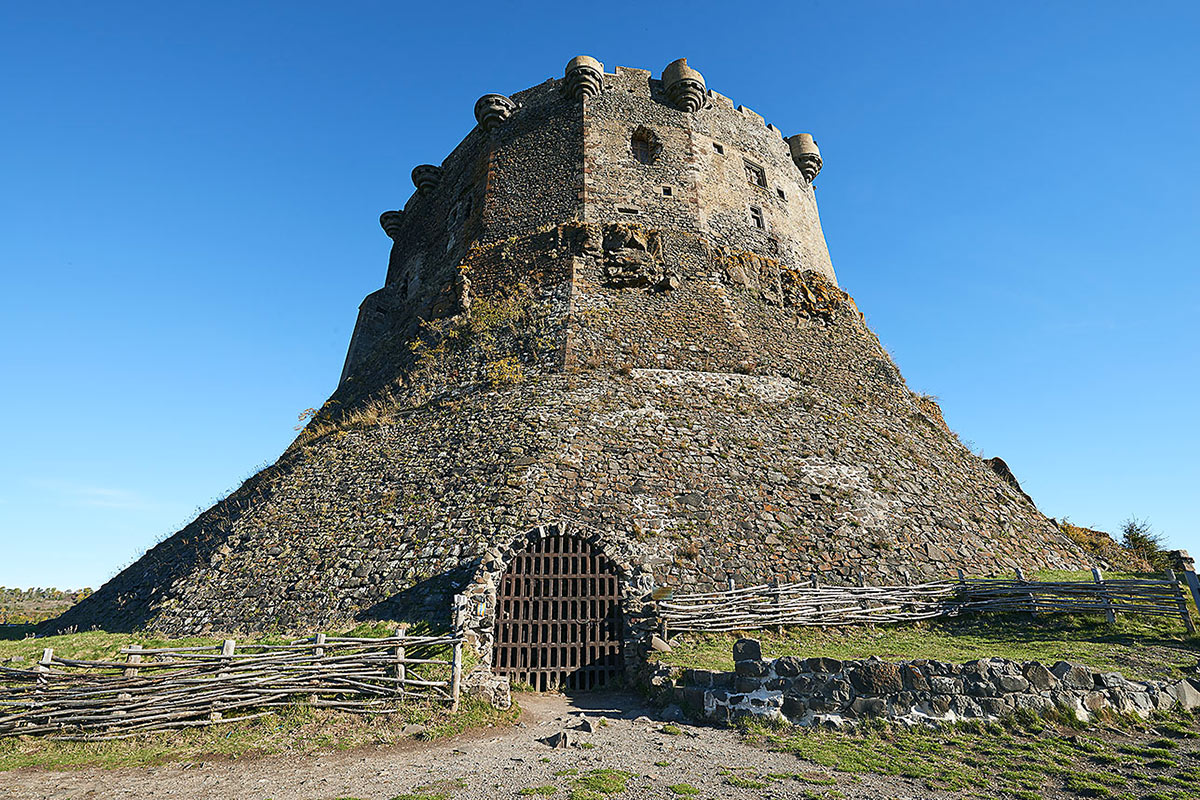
x: 719, y: 149
x: 756, y: 217
x: 755, y: 174
x: 782, y: 195
x: 666, y: 190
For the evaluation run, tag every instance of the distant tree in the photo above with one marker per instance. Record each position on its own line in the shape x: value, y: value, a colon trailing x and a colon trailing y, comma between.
x: 1143, y: 541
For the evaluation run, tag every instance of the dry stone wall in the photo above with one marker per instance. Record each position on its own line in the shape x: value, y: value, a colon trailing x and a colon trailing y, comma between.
x: 832, y: 692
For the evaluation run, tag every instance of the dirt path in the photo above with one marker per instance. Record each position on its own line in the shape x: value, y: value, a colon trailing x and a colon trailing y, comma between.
x: 625, y: 735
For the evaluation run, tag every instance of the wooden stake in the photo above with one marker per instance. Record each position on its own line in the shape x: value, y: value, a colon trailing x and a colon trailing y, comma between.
x: 133, y: 658
x: 456, y: 676
x: 1181, y: 602
x: 1109, y: 616
x: 401, y: 632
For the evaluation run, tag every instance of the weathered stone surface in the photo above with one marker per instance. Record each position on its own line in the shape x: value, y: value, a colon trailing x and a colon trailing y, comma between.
x: 1186, y: 695
x: 1076, y: 676
x: 788, y: 666
x: 494, y: 689
x: 750, y: 668
x: 747, y: 650
x: 876, y: 678
x: 1039, y: 676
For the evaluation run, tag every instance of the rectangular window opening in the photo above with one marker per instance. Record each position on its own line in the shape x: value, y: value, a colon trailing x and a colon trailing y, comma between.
x: 756, y: 217
x: 719, y: 149
x: 781, y: 193
x: 667, y: 192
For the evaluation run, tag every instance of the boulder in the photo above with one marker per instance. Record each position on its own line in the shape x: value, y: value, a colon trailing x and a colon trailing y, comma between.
x: 1039, y: 677
x: 1187, y: 696
x: 1075, y: 676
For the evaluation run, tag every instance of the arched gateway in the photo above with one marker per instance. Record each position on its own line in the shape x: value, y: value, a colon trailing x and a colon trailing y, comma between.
x: 558, y: 617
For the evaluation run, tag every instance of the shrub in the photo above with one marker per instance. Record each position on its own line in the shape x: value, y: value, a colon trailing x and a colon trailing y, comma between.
x: 1143, y: 541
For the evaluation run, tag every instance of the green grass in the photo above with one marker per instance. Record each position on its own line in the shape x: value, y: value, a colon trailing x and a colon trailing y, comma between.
x: 994, y: 760
x: 295, y: 729
x: 603, y: 781
x: 532, y: 791
x: 683, y: 790
x: 1141, y: 649
x: 101, y: 645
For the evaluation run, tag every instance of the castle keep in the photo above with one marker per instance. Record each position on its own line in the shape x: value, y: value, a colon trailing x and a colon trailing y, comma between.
x: 610, y: 355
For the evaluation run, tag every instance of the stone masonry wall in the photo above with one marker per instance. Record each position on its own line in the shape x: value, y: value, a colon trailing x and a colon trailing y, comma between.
x: 827, y: 691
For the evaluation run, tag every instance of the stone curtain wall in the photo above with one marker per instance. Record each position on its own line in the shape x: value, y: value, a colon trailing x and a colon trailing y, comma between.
x: 826, y: 691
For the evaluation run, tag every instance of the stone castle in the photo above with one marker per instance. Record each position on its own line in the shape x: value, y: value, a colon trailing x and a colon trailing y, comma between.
x: 610, y: 320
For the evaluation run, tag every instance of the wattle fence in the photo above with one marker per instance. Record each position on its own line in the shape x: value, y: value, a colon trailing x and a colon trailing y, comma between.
x: 181, y: 687
x: 811, y: 604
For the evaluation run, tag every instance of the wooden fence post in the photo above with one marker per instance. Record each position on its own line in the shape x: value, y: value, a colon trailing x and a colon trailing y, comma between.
x: 1031, y: 596
x: 43, y: 669
x: 456, y: 676
x: 227, y: 648
x: 1181, y: 602
x: 1186, y: 566
x: 778, y: 601
x: 401, y: 673
x: 318, y: 652
x: 1109, y: 616
x: 133, y: 658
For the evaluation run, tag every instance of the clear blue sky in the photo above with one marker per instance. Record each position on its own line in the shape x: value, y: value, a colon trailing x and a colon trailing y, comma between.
x: 189, y: 195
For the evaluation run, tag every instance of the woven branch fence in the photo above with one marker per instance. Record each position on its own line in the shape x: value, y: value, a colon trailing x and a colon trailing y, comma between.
x: 181, y: 687
x: 810, y: 604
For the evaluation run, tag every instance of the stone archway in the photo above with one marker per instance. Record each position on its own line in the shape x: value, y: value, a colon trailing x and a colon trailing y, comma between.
x: 559, y: 623
x: 476, y: 608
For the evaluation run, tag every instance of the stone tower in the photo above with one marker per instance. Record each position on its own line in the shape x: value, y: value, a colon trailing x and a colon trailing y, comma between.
x: 610, y: 335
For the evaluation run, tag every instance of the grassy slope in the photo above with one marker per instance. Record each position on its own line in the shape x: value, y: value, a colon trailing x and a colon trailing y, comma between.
x: 1026, y: 758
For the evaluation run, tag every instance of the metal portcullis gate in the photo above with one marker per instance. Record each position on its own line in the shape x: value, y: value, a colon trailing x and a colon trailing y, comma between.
x: 558, y: 617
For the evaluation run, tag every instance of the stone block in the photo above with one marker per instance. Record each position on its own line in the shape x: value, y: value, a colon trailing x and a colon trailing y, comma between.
x: 750, y: 668
x: 1039, y: 677
x: 794, y: 706
x: 1186, y: 695
x: 746, y: 649
x: 827, y: 666
x: 1075, y: 676
x: 876, y: 678
x: 788, y: 666
x: 1011, y: 683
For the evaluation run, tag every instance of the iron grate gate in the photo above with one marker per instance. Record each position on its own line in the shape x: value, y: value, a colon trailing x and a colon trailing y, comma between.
x: 558, y: 617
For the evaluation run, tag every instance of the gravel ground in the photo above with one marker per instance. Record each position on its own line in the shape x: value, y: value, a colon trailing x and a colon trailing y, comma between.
x: 626, y: 735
